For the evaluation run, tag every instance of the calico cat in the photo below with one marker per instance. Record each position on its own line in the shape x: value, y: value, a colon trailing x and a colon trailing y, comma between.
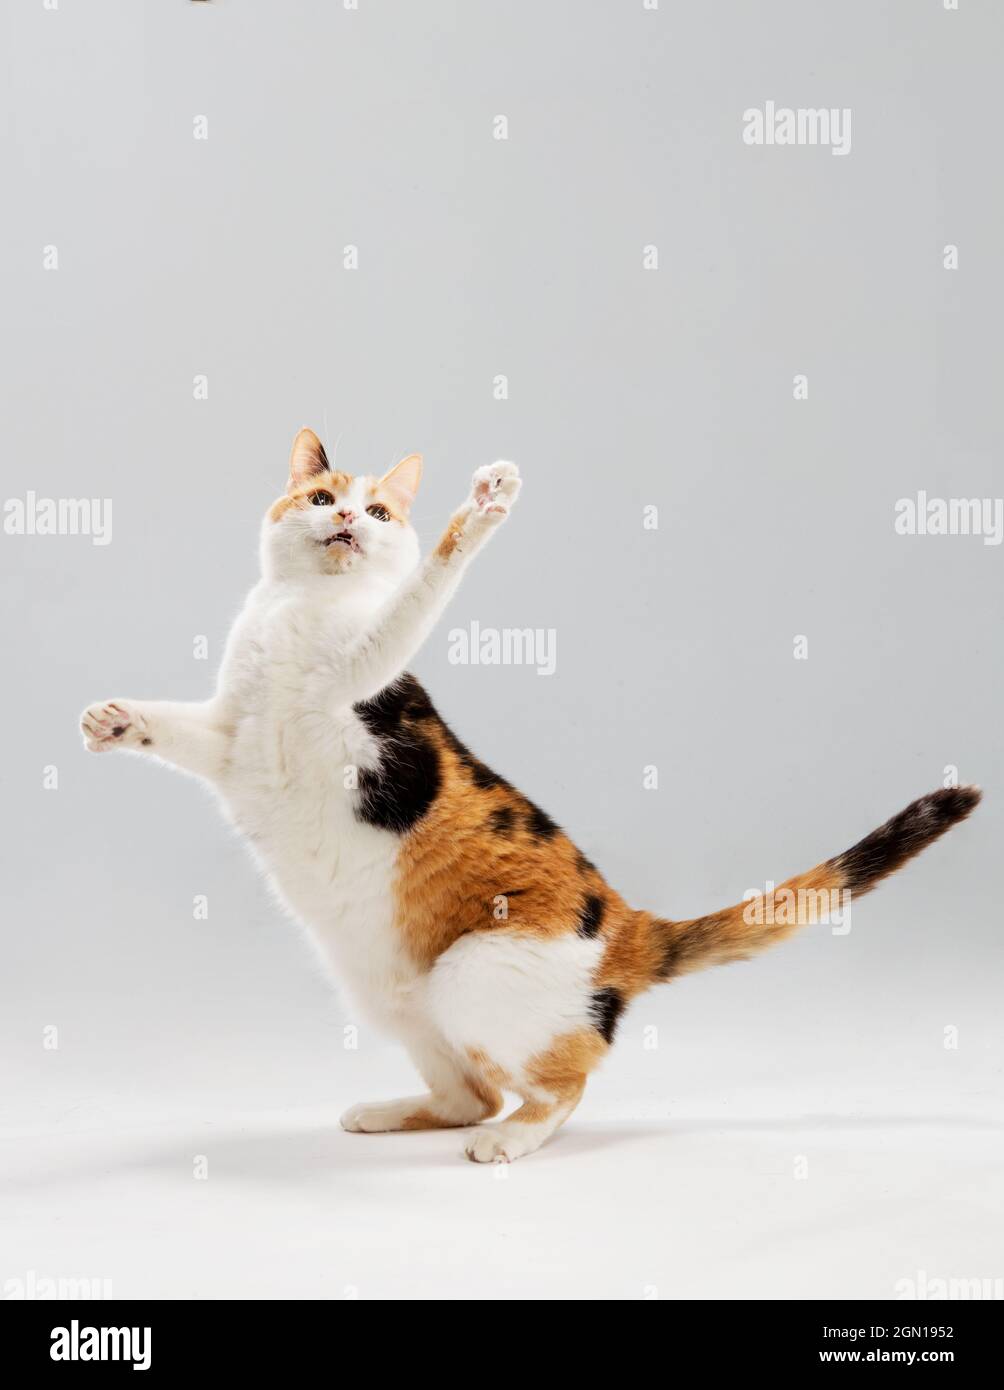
x: 396, y: 846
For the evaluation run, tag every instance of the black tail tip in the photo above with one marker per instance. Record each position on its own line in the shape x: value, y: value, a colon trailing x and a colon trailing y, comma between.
x: 951, y: 804
x: 924, y: 821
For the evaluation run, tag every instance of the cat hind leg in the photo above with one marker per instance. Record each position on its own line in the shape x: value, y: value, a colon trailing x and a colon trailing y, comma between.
x: 524, y: 1131
x: 523, y: 1010
x: 458, y: 1096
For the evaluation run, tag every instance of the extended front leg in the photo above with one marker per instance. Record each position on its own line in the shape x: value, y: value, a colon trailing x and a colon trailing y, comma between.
x: 187, y: 735
x: 402, y: 627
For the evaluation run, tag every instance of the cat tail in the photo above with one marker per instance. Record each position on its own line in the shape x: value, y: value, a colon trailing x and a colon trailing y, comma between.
x: 821, y: 894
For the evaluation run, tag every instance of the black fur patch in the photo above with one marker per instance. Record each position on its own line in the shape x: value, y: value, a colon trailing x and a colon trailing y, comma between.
x: 384, y: 714
x: 397, y: 794
x: 606, y: 1007
x: 892, y: 844
x: 540, y: 824
x: 481, y: 775
x: 591, y: 916
x: 502, y: 820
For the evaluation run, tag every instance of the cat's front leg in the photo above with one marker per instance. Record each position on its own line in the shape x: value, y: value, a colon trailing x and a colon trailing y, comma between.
x: 187, y: 735
x: 411, y: 614
x: 494, y: 489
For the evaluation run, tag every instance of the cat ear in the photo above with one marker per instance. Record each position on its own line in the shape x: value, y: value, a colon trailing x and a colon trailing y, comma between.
x: 307, y: 458
x: 401, y: 483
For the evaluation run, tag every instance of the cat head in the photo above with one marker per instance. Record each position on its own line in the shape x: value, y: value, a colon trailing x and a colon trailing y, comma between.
x: 331, y: 523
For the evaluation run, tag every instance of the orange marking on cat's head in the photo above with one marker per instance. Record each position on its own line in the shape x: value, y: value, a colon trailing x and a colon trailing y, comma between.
x: 299, y: 494
x: 375, y: 493
x: 310, y: 472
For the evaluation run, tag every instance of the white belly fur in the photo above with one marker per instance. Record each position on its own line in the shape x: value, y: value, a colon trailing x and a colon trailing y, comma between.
x: 286, y: 790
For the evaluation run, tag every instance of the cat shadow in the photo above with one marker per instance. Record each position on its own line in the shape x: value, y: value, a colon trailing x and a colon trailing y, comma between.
x: 322, y: 1156
x: 319, y: 1156
x: 329, y: 1155
x: 325, y: 1153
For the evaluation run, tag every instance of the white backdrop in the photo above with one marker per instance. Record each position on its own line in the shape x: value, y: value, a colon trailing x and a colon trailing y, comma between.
x: 226, y: 220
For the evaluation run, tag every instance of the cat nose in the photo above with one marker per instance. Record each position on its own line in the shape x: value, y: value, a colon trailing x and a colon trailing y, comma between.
x: 346, y: 516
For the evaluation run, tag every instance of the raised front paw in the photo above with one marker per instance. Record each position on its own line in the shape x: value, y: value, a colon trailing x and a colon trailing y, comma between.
x: 494, y: 489
x: 113, y: 724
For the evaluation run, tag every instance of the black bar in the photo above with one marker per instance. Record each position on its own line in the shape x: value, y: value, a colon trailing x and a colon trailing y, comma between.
x: 276, y: 1338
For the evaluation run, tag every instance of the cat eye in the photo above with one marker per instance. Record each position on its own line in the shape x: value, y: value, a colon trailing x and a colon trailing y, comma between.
x: 381, y: 513
x: 322, y: 499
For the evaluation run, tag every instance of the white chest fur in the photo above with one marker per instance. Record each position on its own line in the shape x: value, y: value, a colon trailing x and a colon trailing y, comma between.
x: 290, y: 787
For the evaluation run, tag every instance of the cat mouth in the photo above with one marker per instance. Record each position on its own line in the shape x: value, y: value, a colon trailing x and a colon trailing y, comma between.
x: 342, y: 538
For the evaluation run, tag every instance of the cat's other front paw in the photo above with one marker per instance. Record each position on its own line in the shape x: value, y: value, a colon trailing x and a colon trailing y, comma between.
x: 113, y: 724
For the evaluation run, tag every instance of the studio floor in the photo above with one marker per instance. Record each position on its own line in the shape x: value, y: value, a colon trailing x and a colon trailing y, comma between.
x: 801, y: 1191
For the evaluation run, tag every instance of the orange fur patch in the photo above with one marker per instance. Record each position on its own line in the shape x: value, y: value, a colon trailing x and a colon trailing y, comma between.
x: 458, y: 873
x: 488, y: 1072
x: 561, y: 1071
x: 737, y: 932
x: 487, y: 1090
x: 426, y: 1119
x: 451, y: 537
x: 483, y: 859
x: 633, y: 956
